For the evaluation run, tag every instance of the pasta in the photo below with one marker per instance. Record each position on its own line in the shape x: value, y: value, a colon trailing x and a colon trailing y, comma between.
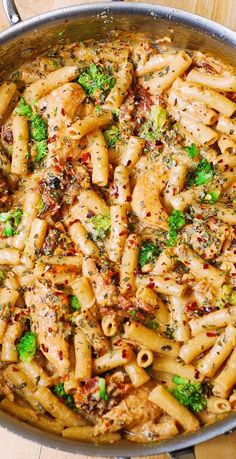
x: 117, y: 241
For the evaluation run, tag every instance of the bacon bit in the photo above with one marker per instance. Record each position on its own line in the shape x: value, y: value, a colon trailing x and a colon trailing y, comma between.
x: 63, y: 111
x: 205, y: 266
x: 52, y: 139
x: 85, y: 158
x: 210, y: 334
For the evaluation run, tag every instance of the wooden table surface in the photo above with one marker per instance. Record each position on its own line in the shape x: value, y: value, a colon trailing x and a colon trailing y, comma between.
x: 223, y: 11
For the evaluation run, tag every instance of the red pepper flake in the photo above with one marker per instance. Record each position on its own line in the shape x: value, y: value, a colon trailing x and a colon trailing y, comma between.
x: 85, y: 158
x: 63, y: 111
x: 210, y: 334
x: 205, y: 266
x: 52, y: 139
x: 148, y: 214
x: 45, y: 348
x: 151, y: 284
x: 124, y: 353
x: 15, y: 370
x: 60, y: 353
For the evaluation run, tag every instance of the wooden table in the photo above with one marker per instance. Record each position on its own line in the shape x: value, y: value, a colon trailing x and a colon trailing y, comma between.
x: 223, y: 11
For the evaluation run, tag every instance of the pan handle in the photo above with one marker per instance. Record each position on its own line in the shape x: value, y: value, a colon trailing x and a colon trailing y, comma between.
x: 11, y: 12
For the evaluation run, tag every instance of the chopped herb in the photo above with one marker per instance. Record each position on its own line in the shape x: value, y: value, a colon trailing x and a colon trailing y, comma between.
x: 211, y: 196
x: 27, y: 346
x: 176, y: 222
x: 101, y: 224
x: 12, y: 220
x: 152, y: 129
x: 192, y: 151
x: 74, y: 303
x: 204, y: 172
x: 94, y: 78
x: 152, y: 324
x: 59, y: 391
x: 190, y: 394
x: 148, y: 253
x: 112, y: 135
x: 169, y: 331
x: 102, y: 389
x: 23, y: 109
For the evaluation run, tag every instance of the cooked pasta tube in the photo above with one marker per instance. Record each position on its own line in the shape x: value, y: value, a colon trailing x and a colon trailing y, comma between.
x: 31, y: 417
x: 226, y: 379
x: 22, y: 386
x: 57, y: 409
x: 226, y: 145
x: 36, y: 374
x: 197, y: 110
x: 54, y: 79
x: 109, y: 324
x: 166, y: 285
x: 9, y: 256
x: 148, y: 339
x: 196, y: 345
x: 11, y: 282
x: 198, y: 267
x: 86, y: 433
x: 35, y: 241
x: 129, y: 263
x: 185, y: 198
x: 121, y: 194
x: 105, y: 292
x: 213, y: 320
x: 88, y: 124
x: 222, y: 348
x: 91, y: 200
x: 226, y: 214
x: 80, y: 237
x: 8, y: 300
x: 217, y: 82
x: 132, y: 152
x: 30, y: 211
x: 83, y: 291
x: 179, y: 318
x: 228, y: 126
x: 175, y: 367
x: 155, y: 63
x: 112, y: 359
x: 161, y: 312
x: 20, y: 145
x: 99, y: 157
x: 165, y: 428
x: 213, y: 99
x: 204, y: 134
x: 119, y: 232
x: 83, y: 356
x: 93, y: 332
x: 164, y: 79
x: 218, y: 405
x: 13, y: 332
x: 137, y: 374
x: 123, y: 83
x: 174, y: 408
x: 145, y: 358
x: 164, y: 263
x: 232, y: 400
x: 7, y: 91
x: 175, y: 182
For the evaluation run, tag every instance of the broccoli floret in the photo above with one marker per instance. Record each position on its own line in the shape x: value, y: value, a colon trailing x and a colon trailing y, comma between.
x: 11, y: 220
x: 74, y: 303
x: 27, y: 346
x: 192, y: 151
x: 59, y: 391
x: 204, y: 172
x: 148, y: 253
x: 94, y: 78
x: 101, y: 224
x: 190, y: 394
x: 151, y: 129
x: 102, y: 389
x: 211, y: 196
x: 176, y: 222
x: 38, y: 128
x: 112, y: 135
x: 23, y: 109
x: 41, y: 150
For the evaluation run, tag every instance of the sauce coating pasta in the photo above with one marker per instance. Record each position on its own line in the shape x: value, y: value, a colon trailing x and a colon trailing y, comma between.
x: 117, y: 240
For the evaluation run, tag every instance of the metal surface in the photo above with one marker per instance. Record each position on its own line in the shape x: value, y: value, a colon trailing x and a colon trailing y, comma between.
x: 29, y: 38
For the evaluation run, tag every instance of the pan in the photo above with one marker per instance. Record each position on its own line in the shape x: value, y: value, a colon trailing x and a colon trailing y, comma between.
x: 24, y: 41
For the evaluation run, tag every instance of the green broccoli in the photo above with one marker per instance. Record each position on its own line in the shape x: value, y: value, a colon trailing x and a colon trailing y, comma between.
x: 23, y: 109
x: 11, y: 220
x: 211, y: 196
x: 38, y: 128
x: 101, y: 224
x: 41, y: 150
x: 112, y: 135
x: 204, y: 172
x: 94, y: 78
x: 102, y: 389
x: 27, y: 346
x: 152, y: 129
x: 148, y: 253
x: 59, y: 391
x: 74, y: 303
x: 192, y: 151
x: 190, y: 394
x: 176, y: 222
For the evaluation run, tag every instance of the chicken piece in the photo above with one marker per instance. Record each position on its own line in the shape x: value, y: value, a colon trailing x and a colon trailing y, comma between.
x: 151, y: 431
x: 59, y: 109
x: 48, y: 311
x: 133, y: 409
x: 206, y: 237
x: 105, y: 291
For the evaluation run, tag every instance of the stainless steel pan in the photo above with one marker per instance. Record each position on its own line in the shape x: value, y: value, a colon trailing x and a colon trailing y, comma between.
x: 26, y: 39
